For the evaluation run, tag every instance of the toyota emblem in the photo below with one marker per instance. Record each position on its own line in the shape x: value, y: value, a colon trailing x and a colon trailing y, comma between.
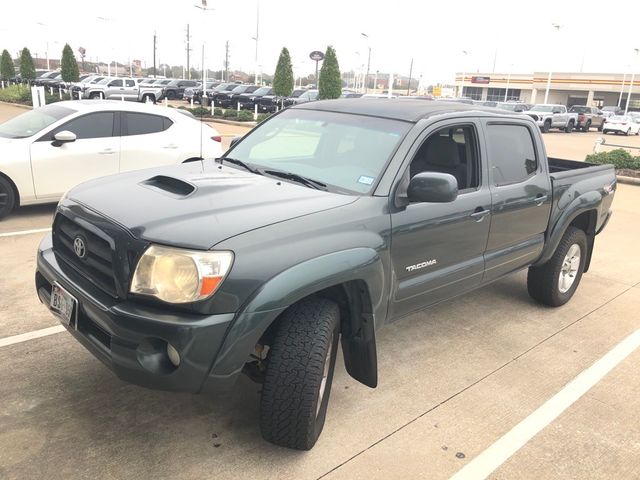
x: 79, y: 247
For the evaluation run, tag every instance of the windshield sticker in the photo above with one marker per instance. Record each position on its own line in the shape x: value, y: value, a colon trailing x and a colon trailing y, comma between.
x: 365, y: 180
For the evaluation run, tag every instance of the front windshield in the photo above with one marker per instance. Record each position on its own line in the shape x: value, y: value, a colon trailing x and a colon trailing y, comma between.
x: 262, y: 91
x: 507, y: 106
x: 34, y: 121
x: 309, y: 95
x: 346, y: 152
x: 239, y: 89
x: 541, y: 108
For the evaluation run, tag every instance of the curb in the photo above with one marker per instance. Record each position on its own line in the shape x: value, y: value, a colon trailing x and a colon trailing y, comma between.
x: 19, y: 105
x: 628, y: 180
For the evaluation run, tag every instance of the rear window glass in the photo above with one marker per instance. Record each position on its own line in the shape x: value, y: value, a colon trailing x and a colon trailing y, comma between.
x: 512, y: 154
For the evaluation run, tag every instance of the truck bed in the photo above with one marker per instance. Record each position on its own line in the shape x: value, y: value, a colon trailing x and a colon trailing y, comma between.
x: 560, y: 168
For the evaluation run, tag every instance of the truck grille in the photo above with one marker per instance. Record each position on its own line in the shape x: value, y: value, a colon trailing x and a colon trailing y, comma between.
x: 95, y: 262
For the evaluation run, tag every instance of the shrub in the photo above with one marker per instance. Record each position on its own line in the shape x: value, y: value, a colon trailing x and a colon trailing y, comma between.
x: 68, y: 65
x: 619, y: 158
x: 230, y: 113
x: 245, y: 116
x: 201, y: 111
x: 283, y: 78
x: 217, y: 111
x: 182, y: 107
x: 16, y: 94
x: 263, y: 116
x: 330, y: 82
x: 27, y: 68
x: 7, y: 69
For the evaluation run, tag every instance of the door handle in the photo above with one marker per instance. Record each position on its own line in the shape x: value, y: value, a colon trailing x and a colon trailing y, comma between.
x: 171, y: 146
x: 479, y: 214
x: 107, y: 151
x: 540, y: 199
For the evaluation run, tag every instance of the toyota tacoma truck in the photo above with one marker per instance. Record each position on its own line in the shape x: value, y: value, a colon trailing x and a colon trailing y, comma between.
x: 322, y: 224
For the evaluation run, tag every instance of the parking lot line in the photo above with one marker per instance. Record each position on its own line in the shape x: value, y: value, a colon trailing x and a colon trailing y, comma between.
x: 498, y: 453
x: 25, y: 232
x: 23, y: 337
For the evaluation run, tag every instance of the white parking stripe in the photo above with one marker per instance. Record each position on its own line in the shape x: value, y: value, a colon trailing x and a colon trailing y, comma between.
x: 23, y: 337
x: 25, y: 232
x: 498, y: 453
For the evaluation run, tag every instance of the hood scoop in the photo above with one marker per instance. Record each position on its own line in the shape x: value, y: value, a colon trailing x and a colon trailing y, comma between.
x: 173, y: 186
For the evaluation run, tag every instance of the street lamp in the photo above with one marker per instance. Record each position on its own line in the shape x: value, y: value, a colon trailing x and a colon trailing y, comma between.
x: 204, y: 9
x: 546, y: 93
x: 366, y: 81
x: 466, y: 53
x: 506, y: 93
x: 47, y: 50
x: 633, y: 74
x: 257, y: 38
x: 105, y: 20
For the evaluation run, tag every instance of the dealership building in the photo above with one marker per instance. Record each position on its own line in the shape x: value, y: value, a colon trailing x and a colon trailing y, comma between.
x: 593, y: 89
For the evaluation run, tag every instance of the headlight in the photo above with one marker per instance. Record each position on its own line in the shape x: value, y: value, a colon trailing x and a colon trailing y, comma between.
x: 175, y: 275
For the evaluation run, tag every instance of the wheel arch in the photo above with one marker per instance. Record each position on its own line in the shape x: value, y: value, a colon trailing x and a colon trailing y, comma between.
x: 14, y: 188
x: 353, y: 278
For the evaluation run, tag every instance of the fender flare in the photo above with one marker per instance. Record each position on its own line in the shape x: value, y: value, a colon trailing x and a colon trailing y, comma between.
x: 285, y: 289
x: 586, y: 202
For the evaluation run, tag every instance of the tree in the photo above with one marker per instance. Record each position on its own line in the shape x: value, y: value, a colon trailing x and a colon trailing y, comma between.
x: 283, y: 78
x: 68, y: 65
x: 27, y: 69
x: 330, y: 81
x: 7, y: 70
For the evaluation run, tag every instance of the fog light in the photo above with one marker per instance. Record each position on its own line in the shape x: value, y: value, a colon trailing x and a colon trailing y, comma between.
x: 173, y: 355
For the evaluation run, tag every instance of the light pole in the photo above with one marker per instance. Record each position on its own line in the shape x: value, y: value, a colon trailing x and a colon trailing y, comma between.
x: 633, y: 74
x: 624, y: 78
x: 204, y: 9
x: 506, y: 93
x: 466, y: 53
x: 47, y: 50
x: 366, y: 81
x: 546, y: 93
x: 105, y: 20
x: 257, y: 38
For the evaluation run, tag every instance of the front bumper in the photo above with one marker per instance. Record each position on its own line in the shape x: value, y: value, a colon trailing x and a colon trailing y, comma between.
x: 131, y: 338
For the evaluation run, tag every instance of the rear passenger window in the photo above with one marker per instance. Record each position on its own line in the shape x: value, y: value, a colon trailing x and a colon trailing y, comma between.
x: 450, y: 150
x: 143, y: 124
x: 512, y: 155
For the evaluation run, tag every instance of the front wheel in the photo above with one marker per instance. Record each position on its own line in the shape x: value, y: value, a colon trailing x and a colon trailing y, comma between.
x: 586, y: 127
x: 601, y: 127
x: 546, y: 126
x: 7, y: 197
x: 569, y: 127
x: 300, y: 365
x: 555, y: 282
x: 627, y: 132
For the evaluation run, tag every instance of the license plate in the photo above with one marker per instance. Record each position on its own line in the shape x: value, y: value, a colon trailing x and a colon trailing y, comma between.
x: 63, y: 304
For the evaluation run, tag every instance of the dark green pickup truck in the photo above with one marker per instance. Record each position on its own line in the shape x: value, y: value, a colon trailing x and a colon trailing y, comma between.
x: 319, y: 226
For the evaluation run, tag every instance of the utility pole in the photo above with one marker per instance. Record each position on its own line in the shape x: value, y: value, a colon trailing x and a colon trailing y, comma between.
x: 154, y: 54
x: 188, y: 53
x: 226, y: 62
x: 410, y: 75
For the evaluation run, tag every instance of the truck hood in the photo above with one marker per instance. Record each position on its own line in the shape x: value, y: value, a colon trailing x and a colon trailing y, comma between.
x: 199, y: 204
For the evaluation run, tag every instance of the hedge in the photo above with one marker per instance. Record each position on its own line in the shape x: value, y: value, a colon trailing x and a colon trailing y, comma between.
x: 619, y: 158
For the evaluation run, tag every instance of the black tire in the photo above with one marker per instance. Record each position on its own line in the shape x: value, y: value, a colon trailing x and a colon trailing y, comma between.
x: 304, y: 348
x: 95, y: 96
x: 171, y: 95
x: 627, y: 132
x: 7, y: 197
x: 148, y: 97
x: 569, y: 127
x: 601, y: 127
x: 587, y: 126
x: 543, y: 282
x: 546, y: 126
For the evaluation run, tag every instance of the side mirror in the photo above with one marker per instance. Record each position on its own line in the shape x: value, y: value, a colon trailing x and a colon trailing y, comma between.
x: 433, y: 187
x: 64, y: 136
x: 234, y: 141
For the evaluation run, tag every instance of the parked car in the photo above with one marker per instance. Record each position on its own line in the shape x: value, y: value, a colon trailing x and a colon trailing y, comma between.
x: 249, y: 100
x: 50, y: 149
x: 626, y: 124
x: 272, y: 103
x: 229, y: 99
x: 514, y: 106
x: 378, y: 95
x: 271, y: 259
x: 351, y: 95
x: 222, y: 89
x: 46, y: 78
x: 609, y: 111
x: 78, y: 87
x: 416, y: 97
x: 588, y: 117
x: 549, y: 116
x: 175, y: 88
x: 308, y: 96
x: 190, y: 92
x: 124, y: 89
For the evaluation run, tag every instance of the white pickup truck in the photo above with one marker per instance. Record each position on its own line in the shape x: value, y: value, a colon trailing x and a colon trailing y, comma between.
x: 549, y: 116
x: 129, y: 89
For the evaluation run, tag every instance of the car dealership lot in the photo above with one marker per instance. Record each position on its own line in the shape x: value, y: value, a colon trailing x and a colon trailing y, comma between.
x: 453, y: 380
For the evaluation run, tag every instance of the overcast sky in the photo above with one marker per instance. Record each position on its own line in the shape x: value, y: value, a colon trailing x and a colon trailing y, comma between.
x: 598, y: 36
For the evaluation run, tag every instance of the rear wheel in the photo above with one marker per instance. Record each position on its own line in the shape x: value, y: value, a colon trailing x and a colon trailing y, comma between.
x: 171, y: 95
x: 555, y: 282
x: 627, y: 132
x: 148, y: 98
x: 546, y: 126
x: 587, y: 126
x: 300, y: 365
x: 95, y: 96
x: 601, y: 127
x: 7, y: 197
x: 569, y: 127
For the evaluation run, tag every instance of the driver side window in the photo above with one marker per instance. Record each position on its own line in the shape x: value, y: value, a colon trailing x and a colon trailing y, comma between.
x: 451, y: 150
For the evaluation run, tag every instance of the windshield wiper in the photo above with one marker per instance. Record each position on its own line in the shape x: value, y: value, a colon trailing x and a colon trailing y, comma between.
x: 240, y: 163
x: 307, y: 182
